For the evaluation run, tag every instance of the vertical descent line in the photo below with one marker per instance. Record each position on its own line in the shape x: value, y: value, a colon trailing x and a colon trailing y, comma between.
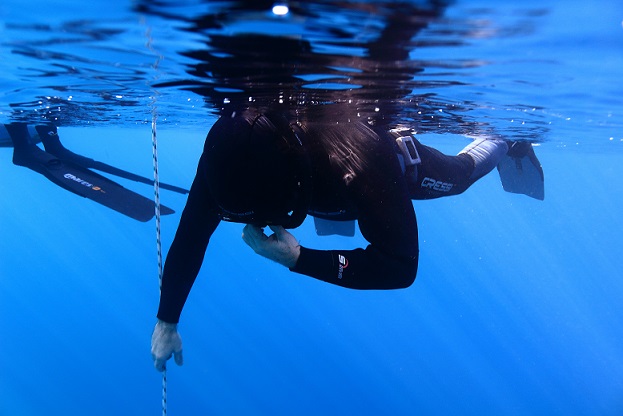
x: 154, y: 147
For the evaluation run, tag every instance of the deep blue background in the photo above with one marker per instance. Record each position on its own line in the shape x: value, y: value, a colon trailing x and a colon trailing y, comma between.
x: 516, y: 309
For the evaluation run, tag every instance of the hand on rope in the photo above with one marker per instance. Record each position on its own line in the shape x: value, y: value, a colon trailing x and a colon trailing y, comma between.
x: 281, y: 246
x: 166, y: 342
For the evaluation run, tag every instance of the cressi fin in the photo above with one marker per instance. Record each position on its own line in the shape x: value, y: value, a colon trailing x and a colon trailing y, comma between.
x: 53, y: 145
x: 521, y: 172
x: 79, y: 180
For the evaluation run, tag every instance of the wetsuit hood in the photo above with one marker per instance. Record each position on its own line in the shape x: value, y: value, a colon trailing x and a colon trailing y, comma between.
x: 257, y: 169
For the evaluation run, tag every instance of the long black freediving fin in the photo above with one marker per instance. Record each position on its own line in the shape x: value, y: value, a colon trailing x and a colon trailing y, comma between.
x: 78, y: 179
x: 521, y: 172
x: 49, y: 136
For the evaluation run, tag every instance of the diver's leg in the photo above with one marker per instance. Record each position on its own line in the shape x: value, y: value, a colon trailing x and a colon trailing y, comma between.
x: 486, y: 153
x: 443, y: 175
x: 439, y: 174
x: 23, y: 150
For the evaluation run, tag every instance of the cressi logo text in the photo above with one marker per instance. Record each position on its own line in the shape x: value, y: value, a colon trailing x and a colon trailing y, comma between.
x: 436, y: 185
x: 83, y: 182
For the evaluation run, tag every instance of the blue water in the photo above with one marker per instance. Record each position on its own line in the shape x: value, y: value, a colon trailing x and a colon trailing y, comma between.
x: 516, y: 308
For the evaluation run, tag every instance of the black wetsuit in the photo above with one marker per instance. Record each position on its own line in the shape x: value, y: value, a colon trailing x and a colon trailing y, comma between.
x: 369, y: 186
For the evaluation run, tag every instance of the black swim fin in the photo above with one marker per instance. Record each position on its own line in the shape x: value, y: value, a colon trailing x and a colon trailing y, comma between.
x: 78, y: 179
x: 521, y: 172
x: 53, y: 145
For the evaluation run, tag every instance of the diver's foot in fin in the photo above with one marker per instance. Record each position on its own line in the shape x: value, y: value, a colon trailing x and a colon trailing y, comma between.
x: 521, y: 172
x: 49, y: 137
x: 23, y: 148
x: 519, y: 149
x: 52, y: 143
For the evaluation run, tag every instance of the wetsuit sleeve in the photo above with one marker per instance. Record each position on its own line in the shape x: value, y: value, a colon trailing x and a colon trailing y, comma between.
x: 184, y: 259
x: 387, y: 221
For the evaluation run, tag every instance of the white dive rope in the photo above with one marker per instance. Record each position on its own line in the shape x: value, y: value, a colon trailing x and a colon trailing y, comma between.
x: 154, y: 146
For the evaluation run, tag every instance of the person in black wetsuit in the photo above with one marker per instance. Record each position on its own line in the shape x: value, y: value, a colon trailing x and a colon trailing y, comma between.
x: 260, y: 168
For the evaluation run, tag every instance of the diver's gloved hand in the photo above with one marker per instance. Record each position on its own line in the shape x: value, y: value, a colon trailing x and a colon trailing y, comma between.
x: 165, y: 342
x: 281, y: 246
